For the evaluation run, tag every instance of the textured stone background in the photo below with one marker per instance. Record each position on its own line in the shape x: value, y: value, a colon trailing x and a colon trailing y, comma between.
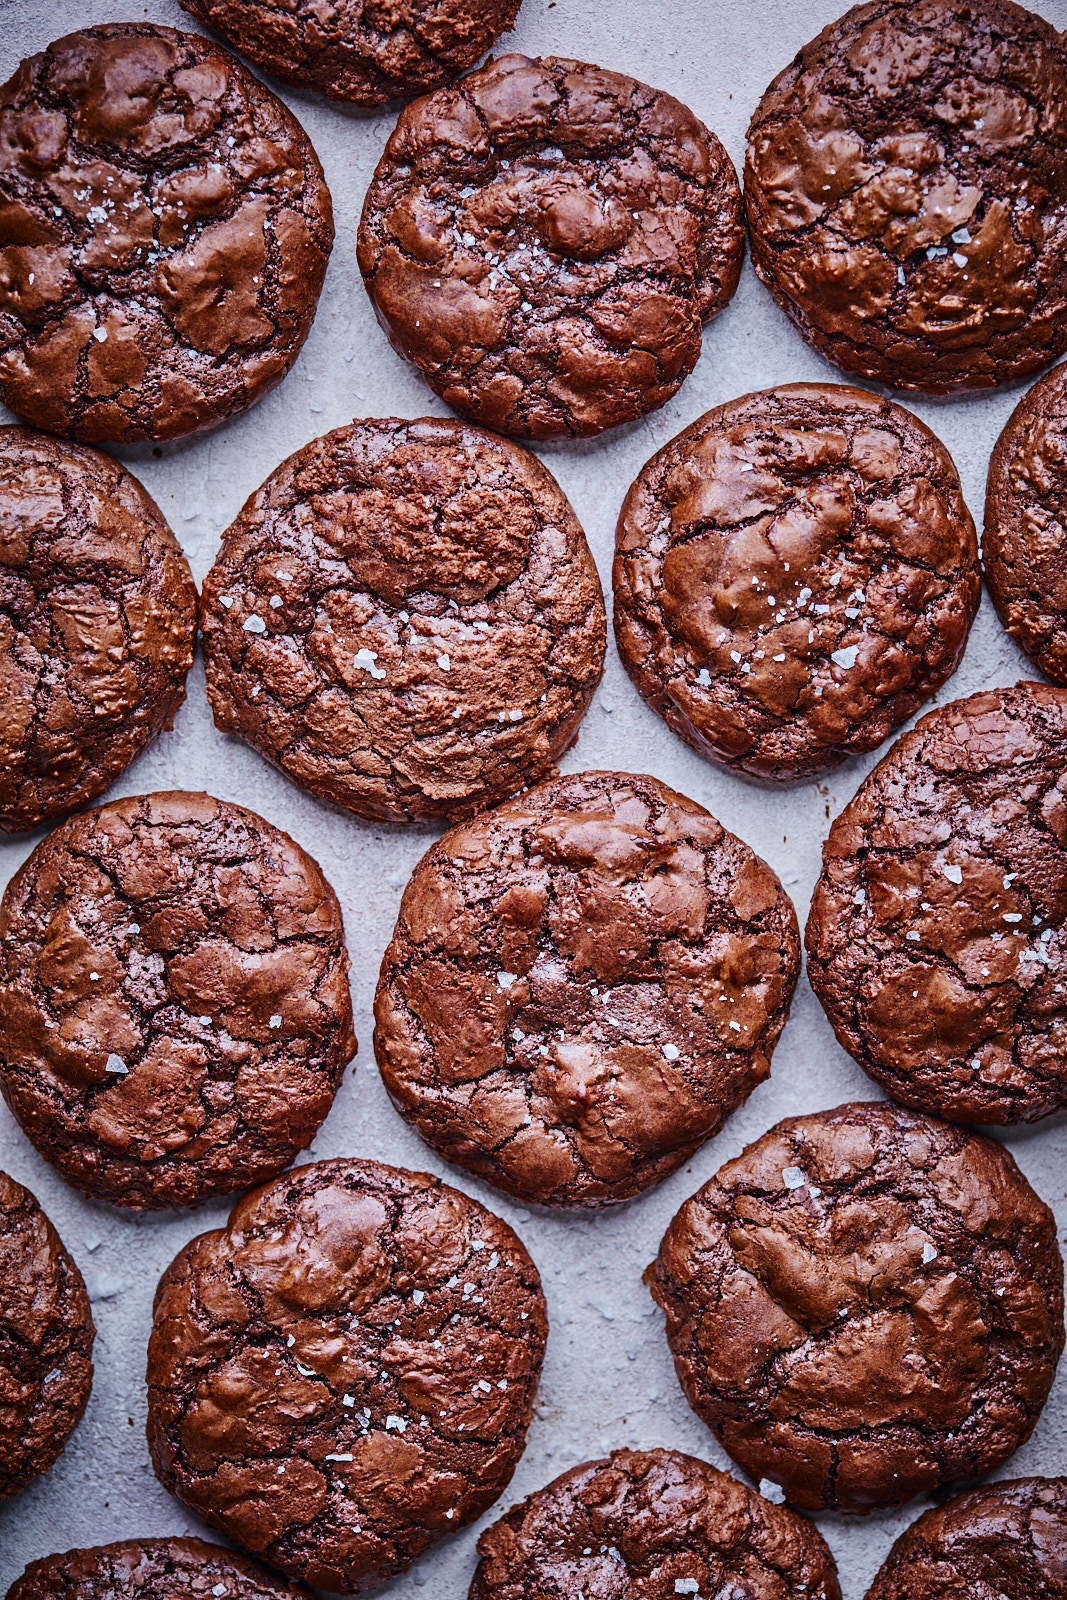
x: 608, y: 1380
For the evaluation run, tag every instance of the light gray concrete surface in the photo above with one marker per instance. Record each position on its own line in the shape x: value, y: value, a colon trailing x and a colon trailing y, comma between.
x: 608, y: 1380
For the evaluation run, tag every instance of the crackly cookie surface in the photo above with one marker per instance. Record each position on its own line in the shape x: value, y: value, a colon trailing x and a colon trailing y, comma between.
x: 650, y: 1525
x: 936, y: 939
x: 1024, y: 541
x: 46, y: 1340
x: 544, y: 241
x: 346, y: 1372
x: 581, y: 987
x: 152, y: 1569
x: 361, y: 51
x: 906, y: 190
x: 1007, y: 1541
x: 794, y: 574
x: 164, y: 232
x: 98, y: 615
x: 866, y: 1304
x: 406, y: 619
x: 174, y: 1006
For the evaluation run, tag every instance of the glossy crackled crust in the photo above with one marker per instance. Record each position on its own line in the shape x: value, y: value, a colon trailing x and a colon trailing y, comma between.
x: 174, y: 1007
x: 936, y: 938
x: 906, y: 191
x: 46, y: 1340
x: 1024, y: 542
x: 544, y: 241
x: 649, y: 1525
x: 864, y: 1305
x: 361, y: 51
x: 582, y: 985
x: 98, y: 615
x: 406, y: 619
x: 794, y: 574
x: 345, y: 1374
x: 164, y: 232
x: 152, y: 1569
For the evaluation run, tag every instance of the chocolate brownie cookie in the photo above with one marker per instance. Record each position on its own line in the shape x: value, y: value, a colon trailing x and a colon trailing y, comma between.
x: 1008, y: 1540
x: 97, y: 624
x: 365, y: 53
x: 906, y: 189
x: 581, y: 987
x: 406, y: 619
x: 864, y: 1305
x: 152, y: 1569
x: 1023, y: 545
x: 346, y: 1372
x: 651, y: 1525
x: 46, y: 1340
x: 174, y: 1006
x: 794, y: 574
x: 544, y: 241
x: 164, y: 232
x: 937, y: 937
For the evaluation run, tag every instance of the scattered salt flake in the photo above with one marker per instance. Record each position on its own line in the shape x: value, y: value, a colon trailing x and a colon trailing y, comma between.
x: 276, y: 1021
x: 418, y: 1295
x: 860, y: 897
x: 953, y: 874
x: 99, y: 334
x: 671, y: 1051
x: 1012, y: 916
x: 704, y: 678
x: 226, y: 600
x: 450, y: 1514
x: 960, y: 260
x: 368, y: 660
x: 444, y: 663
x: 929, y: 1254
x: 735, y: 655
x: 900, y: 275
x: 399, y: 1423
x: 289, y: 1343
x: 506, y: 979
x: 348, y: 1400
x: 219, y: 1588
x: 686, y: 1586
x: 913, y: 935
x: 341, y: 1456
x: 275, y: 601
x: 846, y: 658
x: 254, y: 624
x: 116, y: 1064
x: 778, y: 658
x: 793, y: 1178
x: 773, y: 1491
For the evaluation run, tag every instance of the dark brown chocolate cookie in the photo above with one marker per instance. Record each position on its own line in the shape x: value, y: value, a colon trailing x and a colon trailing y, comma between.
x: 174, y: 1006
x: 97, y: 624
x: 906, y: 189
x: 581, y: 987
x: 652, y: 1525
x: 794, y: 575
x: 152, y: 1569
x: 365, y: 53
x: 1007, y: 1541
x: 164, y: 232
x: 346, y: 1373
x: 46, y: 1340
x: 406, y: 619
x: 544, y: 241
x: 937, y: 937
x: 864, y: 1305
x: 1024, y: 543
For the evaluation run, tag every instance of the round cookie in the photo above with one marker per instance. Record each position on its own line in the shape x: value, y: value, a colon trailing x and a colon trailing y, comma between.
x: 46, y: 1340
x: 174, y: 1006
x: 166, y: 228
x: 363, y: 54
x: 906, y: 191
x: 866, y: 1304
x: 346, y: 1372
x: 406, y: 619
x: 1025, y: 520
x: 543, y: 242
x: 152, y: 1569
x: 98, y: 615
x: 581, y: 987
x: 937, y: 936
x: 794, y: 575
x: 1007, y: 1541
x: 650, y: 1525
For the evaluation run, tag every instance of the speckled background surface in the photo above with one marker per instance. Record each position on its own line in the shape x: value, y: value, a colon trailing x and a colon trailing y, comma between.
x: 608, y: 1380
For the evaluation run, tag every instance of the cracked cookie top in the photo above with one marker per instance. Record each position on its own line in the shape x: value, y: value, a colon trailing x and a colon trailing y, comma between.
x: 98, y: 616
x: 174, y: 1006
x: 46, y: 1340
x: 544, y: 241
x: 581, y: 987
x: 906, y: 190
x: 794, y: 574
x: 406, y: 619
x: 152, y: 1569
x: 652, y: 1525
x: 864, y: 1305
x: 361, y: 51
x: 937, y: 937
x: 345, y: 1374
x: 164, y: 232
